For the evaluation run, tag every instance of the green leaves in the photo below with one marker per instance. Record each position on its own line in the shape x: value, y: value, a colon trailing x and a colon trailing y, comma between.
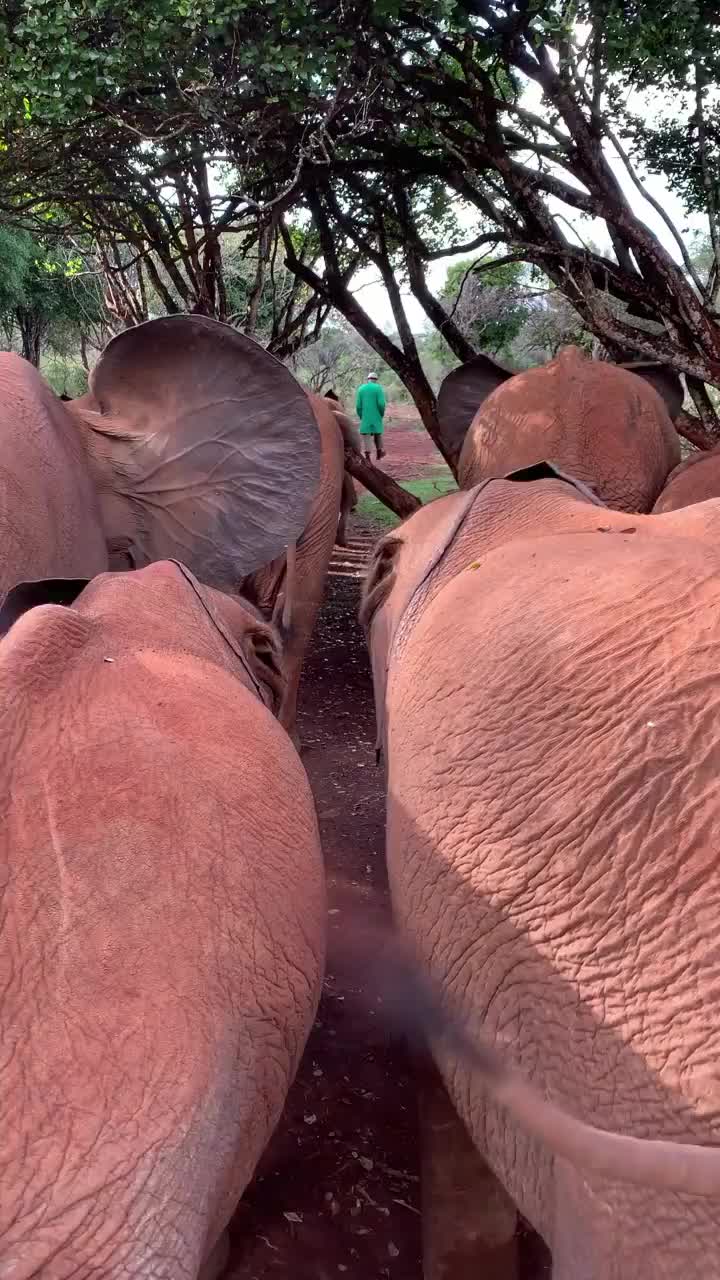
x: 94, y: 53
x: 398, y: 119
x: 670, y: 50
x: 491, y: 305
x: 42, y: 275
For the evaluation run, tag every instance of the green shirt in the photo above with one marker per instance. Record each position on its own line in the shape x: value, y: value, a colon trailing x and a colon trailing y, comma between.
x: 370, y: 408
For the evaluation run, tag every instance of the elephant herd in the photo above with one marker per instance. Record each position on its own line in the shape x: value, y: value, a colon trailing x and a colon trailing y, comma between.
x: 545, y: 650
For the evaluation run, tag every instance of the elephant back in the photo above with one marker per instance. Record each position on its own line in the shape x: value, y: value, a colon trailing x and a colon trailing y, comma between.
x: 601, y: 424
x: 610, y: 426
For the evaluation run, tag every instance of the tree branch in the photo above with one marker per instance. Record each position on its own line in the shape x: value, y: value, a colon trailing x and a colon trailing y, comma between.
x: 381, y: 485
x: 707, y: 179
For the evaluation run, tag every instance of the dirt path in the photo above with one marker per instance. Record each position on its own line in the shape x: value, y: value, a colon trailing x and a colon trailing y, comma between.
x: 337, y: 1194
x: 411, y: 453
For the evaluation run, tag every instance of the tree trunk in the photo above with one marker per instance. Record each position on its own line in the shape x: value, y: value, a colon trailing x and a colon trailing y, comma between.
x: 381, y: 486
x: 31, y: 334
x: 334, y: 288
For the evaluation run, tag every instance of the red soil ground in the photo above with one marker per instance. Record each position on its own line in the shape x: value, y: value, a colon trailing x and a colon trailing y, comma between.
x: 410, y: 451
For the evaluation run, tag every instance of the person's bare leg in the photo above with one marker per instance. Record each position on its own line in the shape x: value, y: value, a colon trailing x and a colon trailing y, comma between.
x: 379, y: 446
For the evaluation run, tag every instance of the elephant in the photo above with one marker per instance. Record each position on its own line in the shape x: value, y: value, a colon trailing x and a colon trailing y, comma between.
x: 545, y: 674
x: 694, y: 480
x: 290, y: 588
x: 295, y: 585
x: 610, y: 426
x: 348, y: 504
x: 192, y: 443
x: 351, y: 440
x: 164, y: 916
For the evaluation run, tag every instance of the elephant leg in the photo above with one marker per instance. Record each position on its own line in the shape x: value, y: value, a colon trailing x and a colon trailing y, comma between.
x: 469, y: 1221
x: 312, y: 557
x: 217, y: 1260
x: 348, y: 503
x: 306, y: 593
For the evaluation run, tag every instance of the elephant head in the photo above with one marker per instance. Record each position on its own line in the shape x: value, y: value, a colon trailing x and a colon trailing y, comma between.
x: 695, y: 480
x: 445, y: 537
x: 250, y: 645
x: 164, y: 877
x: 609, y: 425
x: 203, y: 449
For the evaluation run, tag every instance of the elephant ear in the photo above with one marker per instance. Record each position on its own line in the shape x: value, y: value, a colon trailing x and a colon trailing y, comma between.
x: 461, y: 395
x: 29, y: 595
x: 665, y: 380
x: 255, y: 642
x: 208, y: 439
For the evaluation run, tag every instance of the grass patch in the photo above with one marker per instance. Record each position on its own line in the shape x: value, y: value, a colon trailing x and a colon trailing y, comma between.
x: 426, y: 488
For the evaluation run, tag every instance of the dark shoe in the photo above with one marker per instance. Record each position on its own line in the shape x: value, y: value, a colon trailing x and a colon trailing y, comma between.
x: 380, y: 454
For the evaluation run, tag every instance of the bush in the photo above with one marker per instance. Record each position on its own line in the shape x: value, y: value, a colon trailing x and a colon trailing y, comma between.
x: 65, y: 375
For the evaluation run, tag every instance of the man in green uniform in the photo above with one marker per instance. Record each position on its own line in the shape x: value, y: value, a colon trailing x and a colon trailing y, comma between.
x: 370, y: 409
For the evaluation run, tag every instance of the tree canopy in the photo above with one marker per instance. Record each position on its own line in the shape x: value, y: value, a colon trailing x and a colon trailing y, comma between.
x: 44, y: 293
x: 373, y: 133
x: 491, y: 306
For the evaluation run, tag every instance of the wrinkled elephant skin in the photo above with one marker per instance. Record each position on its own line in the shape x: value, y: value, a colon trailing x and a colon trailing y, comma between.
x: 50, y: 522
x: 546, y: 681
x: 193, y: 444
x: 351, y: 440
x: 348, y: 504
x: 302, y: 586
x: 162, y: 929
x: 602, y: 424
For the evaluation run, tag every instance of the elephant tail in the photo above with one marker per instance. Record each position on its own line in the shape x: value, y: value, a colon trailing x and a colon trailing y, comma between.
x: 290, y: 586
x: 348, y: 431
x: 413, y: 1006
x: 349, y: 499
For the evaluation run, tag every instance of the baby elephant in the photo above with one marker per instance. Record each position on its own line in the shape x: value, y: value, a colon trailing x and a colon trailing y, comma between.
x: 162, y: 924
x: 545, y: 674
